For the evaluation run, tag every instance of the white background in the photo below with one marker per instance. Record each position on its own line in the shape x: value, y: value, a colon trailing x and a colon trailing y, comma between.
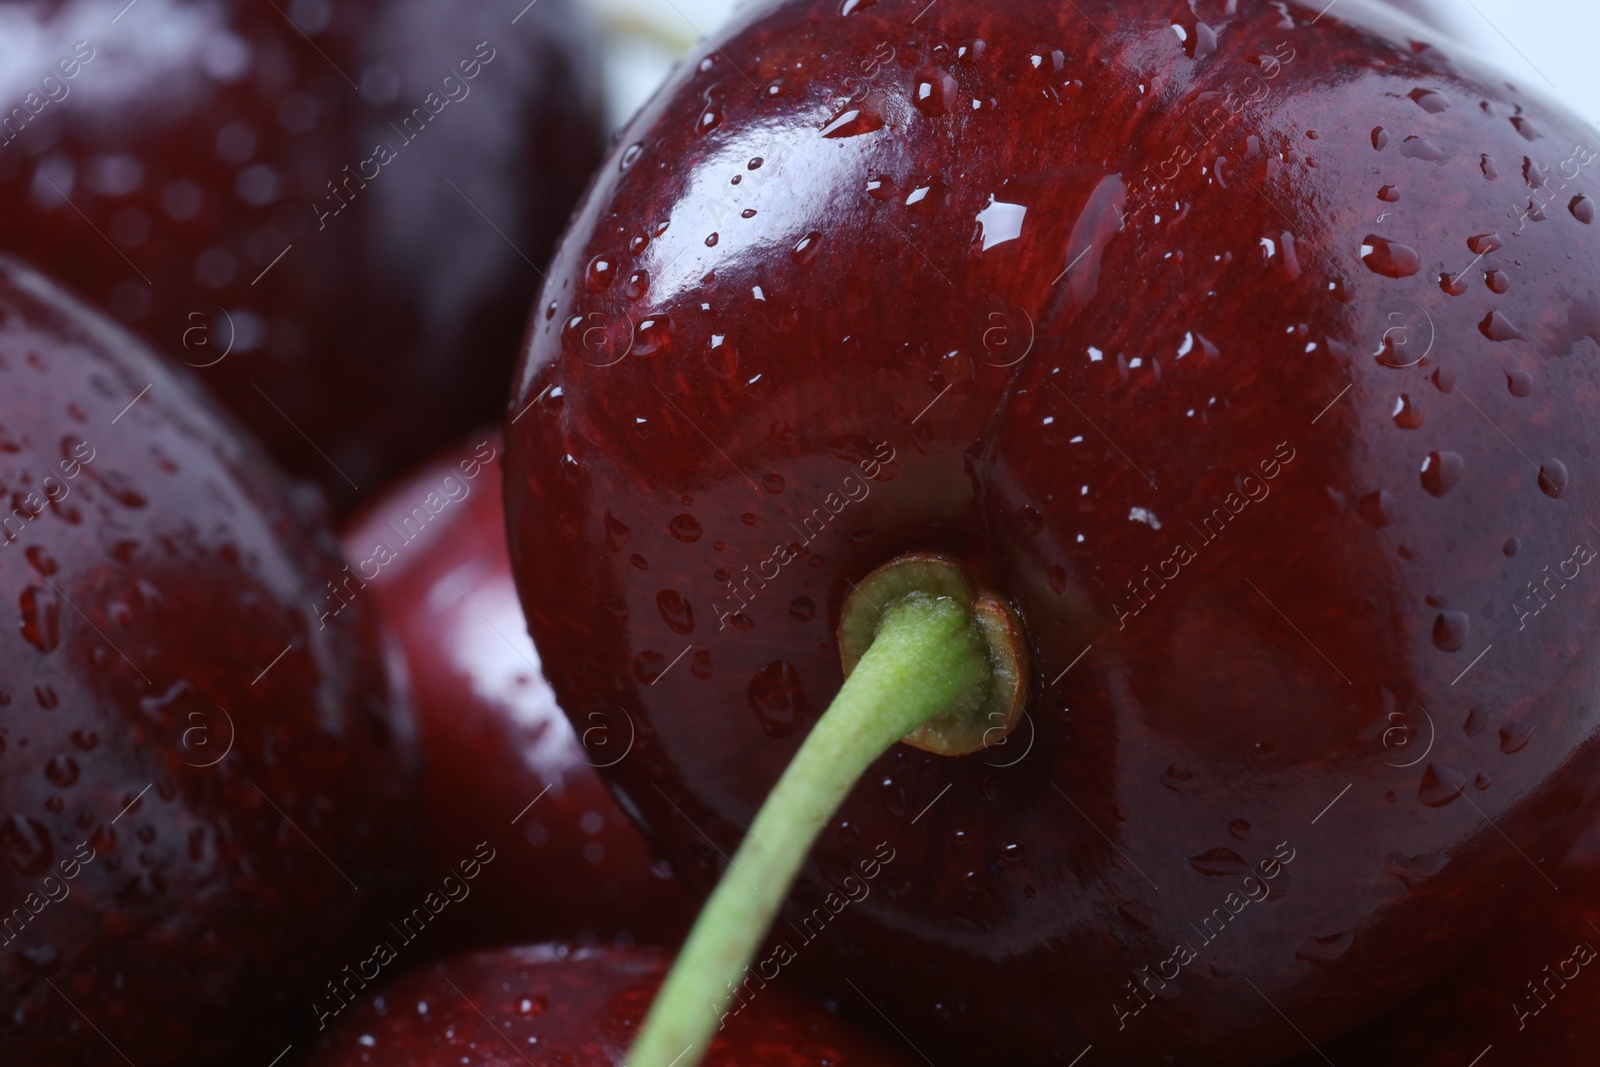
x: 1553, y: 45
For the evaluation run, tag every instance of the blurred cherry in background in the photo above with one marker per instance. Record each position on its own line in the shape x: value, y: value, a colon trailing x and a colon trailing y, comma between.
x: 338, y: 214
x: 206, y: 795
x: 504, y: 765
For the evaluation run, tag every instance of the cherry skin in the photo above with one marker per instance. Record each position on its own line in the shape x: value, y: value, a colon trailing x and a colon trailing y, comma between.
x: 577, y: 1007
x: 504, y: 765
x: 176, y: 153
x: 1528, y: 997
x: 199, y: 785
x: 1203, y: 333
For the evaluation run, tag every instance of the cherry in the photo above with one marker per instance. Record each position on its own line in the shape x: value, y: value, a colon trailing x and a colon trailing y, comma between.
x: 207, y: 173
x: 199, y: 784
x: 505, y: 768
x: 556, y: 1003
x: 1138, y: 313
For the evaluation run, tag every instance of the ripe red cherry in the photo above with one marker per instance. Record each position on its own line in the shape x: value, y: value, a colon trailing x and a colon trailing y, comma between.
x: 198, y: 784
x: 1245, y: 352
x: 160, y: 161
x: 578, y: 1007
x: 504, y: 765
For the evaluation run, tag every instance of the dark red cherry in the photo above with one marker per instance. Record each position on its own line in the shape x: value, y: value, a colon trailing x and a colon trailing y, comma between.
x: 203, y: 789
x: 337, y: 212
x: 577, y: 1007
x: 507, y: 774
x: 1127, y: 328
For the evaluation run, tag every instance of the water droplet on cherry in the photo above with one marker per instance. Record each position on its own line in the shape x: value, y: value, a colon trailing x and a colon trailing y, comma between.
x: 709, y: 120
x: 1440, y: 785
x: 1430, y: 100
x: 616, y: 533
x: 1553, y: 478
x: 1390, y: 258
x: 1377, y: 509
x: 806, y: 250
x: 1514, y: 736
x: 1496, y: 327
x: 26, y: 843
x: 776, y: 695
x: 675, y: 611
x: 1450, y: 630
x: 601, y: 273
x: 857, y: 117
x: 652, y: 335
x: 1326, y: 951
x: 1407, y: 412
x: 1414, y: 871
x: 685, y: 528
x: 935, y: 92
x: 41, y: 618
x: 62, y: 771
x: 1484, y: 243
x: 1441, y: 472
x: 1219, y: 863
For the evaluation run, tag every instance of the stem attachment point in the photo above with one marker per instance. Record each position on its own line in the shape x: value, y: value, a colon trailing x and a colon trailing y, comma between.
x: 961, y: 730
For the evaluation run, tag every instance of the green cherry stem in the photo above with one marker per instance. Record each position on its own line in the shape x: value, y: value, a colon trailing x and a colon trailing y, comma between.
x: 933, y: 657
